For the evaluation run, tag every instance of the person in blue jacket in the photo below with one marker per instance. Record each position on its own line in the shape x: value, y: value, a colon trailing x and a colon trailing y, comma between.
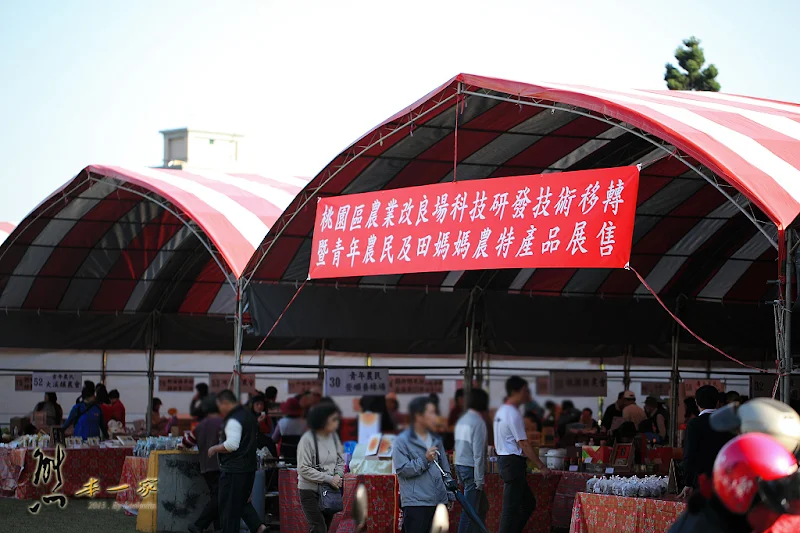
x: 87, y: 416
x: 421, y: 484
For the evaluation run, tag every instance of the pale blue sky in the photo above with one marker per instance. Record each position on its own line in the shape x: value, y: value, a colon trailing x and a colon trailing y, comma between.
x: 94, y: 81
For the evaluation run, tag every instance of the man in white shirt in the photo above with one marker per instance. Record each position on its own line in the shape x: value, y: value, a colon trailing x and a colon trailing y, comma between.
x: 512, y: 446
x: 470, y: 457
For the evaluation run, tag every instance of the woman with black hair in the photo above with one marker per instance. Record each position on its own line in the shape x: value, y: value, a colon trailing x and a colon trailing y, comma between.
x: 158, y: 424
x: 87, y: 383
x: 320, y: 463
x: 258, y: 406
x: 104, y: 401
x: 196, y: 407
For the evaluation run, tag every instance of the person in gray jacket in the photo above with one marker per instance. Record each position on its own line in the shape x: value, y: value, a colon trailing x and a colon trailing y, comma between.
x: 421, y: 485
x: 319, y: 463
x: 470, y: 459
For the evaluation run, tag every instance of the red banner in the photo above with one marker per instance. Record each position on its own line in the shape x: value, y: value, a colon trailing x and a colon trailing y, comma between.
x: 578, y: 219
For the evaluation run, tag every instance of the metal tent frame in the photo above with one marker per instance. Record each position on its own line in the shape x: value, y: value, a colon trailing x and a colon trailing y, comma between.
x: 460, y: 87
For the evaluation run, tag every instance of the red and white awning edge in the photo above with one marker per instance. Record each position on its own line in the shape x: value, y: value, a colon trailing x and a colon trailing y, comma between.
x: 235, y: 211
x: 105, y: 240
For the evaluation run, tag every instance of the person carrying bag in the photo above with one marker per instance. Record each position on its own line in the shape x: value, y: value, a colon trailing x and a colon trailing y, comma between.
x: 320, y: 468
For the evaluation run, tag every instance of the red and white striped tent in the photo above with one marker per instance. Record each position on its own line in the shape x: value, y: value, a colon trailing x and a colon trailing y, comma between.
x: 720, y: 183
x: 125, y: 242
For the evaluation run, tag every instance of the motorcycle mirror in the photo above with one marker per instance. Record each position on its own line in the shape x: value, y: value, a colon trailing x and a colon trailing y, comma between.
x: 441, y: 519
x: 360, y: 504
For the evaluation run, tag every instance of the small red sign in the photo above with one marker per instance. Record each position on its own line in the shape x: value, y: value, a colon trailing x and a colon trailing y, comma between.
x: 220, y: 382
x: 542, y: 385
x: 23, y: 382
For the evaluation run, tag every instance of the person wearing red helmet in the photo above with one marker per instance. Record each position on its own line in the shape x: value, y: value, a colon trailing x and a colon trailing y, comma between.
x: 754, y: 478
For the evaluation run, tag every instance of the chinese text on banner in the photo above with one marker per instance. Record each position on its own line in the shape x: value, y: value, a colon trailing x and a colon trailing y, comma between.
x: 580, y: 219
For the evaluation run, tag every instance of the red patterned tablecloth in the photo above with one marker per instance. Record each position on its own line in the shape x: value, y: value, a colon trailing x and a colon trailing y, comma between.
x: 134, y: 470
x: 104, y: 464
x: 11, y: 465
x: 569, y: 485
x: 382, y: 507
x: 598, y: 513
x: 384, y: 504
x: 544, y: 489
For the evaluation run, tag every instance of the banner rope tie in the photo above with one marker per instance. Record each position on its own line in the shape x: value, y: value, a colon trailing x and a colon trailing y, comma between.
x: 695, y: 335
x: 275, y: 325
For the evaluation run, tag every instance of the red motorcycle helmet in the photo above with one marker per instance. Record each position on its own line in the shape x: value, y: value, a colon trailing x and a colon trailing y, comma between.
x: 743, y: 464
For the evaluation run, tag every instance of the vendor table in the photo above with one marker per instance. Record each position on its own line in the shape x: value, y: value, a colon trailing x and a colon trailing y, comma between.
x: 544, y: 489
x: 133, y: 472
x: 384, y: 510
x: 599, y: 513
x: 80, y: 464
x: 382, y: 506
x: 570, y: 484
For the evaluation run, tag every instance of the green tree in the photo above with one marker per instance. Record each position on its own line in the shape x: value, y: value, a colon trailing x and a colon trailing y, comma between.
x: 693, y: 77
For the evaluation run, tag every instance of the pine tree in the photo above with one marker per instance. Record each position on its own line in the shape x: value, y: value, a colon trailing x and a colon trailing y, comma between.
x: 693, y: 77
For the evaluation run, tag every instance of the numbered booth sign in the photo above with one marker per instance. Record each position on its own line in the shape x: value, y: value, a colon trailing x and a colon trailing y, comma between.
x: 356, y: 381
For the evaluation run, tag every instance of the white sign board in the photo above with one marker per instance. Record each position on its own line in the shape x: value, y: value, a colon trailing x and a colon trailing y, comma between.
x: 576, y: 384
x: 57, y: 382
x: 761, y: 386
x: 356, y: 381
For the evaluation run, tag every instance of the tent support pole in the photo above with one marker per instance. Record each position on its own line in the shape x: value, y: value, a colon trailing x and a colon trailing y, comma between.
x: 238, y: 335
x: 469, y: 370
x: 626, y: 369
x: 786, y: 392
x: 151, y: 374
x: 599, y: 398
x: 103, y: 364
x: 476, y: 341
x: 674, y: 383
x: 321, y: 373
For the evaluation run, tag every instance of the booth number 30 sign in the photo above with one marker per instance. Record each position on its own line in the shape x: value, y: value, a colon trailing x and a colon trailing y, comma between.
x: 356, y: 381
